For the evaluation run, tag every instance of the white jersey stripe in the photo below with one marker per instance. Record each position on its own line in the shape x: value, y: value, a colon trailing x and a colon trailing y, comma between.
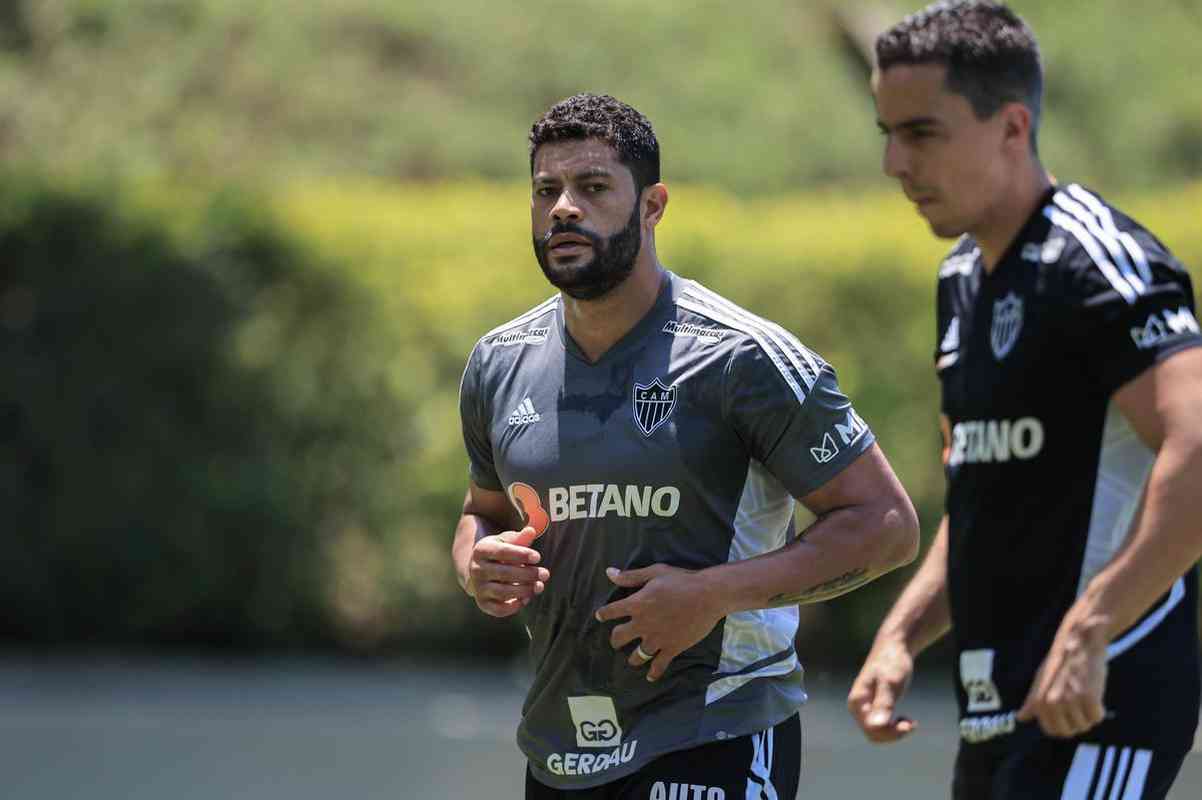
x: 789, y: 374
x: 1139, y: 774
x: 1080, y: 773
x: 787, y: 341
x: 1105, y: 237
x: 1120, y: 646
x: 781, y: 338
x: 1095, y: 251
x: 1120, y: 773
x: 1104, y: 778
x: 1107, y: 219
x: 530, y: 315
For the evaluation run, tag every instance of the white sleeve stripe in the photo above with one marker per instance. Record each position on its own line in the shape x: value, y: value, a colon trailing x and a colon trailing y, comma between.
x: 1120, y: 646
x: 792, y: 349
x: 785, y: 340
x: 1095, y: 252
x: 1139, y: 774
x: 530, y: 315
x: 1107, y: 219
x: 1137, y: 254
x: 1107, y: 238
x: 1080, y: 773
x: 786, y: 372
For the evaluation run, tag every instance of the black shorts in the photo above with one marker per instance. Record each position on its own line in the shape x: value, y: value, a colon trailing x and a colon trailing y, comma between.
x: 1065, y: 769
x: 766, y: 764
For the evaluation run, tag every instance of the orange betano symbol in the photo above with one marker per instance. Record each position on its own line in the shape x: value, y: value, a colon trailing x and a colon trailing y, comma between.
x: 525, y: 499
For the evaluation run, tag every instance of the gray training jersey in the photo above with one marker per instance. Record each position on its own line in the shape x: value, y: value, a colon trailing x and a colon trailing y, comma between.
x: 684, y: 444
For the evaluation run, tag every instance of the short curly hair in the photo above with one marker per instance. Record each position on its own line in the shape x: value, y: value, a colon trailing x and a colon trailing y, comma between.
x: 599, y: 116
x: 991, y: 55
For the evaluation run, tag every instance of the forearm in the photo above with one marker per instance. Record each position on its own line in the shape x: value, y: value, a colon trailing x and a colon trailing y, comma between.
x: 841, y: 551
x: 1165, y: 540
x: 471, y: 529
x: 922, y: 614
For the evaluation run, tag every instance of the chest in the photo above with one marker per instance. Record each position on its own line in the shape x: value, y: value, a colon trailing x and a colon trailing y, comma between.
x: 1007, y: 348
x: 649, y: 420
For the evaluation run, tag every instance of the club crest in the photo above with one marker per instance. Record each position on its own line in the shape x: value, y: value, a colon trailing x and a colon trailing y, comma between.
x: 653, y: 404
x: 1007, y: 324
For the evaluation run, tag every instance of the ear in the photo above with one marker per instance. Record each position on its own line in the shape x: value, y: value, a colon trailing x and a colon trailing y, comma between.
x: 1016, y: 130
x: 655, y: 202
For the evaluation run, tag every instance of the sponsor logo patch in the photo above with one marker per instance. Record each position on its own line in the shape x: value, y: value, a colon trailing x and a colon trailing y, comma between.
x: 528, y: 336
x: 596, y: 721
x: 663, y: 790
x: 976, y: 673
x: 986, y: 441
x: 695, y: 331
x: 1164, y: 325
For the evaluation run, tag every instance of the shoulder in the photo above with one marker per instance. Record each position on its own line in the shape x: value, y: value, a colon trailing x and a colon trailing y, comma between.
x: 962, y: 259
x: 757, y: 347
x: 1104, y: 253
x: 530, y: 328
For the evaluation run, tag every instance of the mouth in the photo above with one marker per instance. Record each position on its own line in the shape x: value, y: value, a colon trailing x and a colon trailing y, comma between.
x: 920, y: 200
x: 567, y: 243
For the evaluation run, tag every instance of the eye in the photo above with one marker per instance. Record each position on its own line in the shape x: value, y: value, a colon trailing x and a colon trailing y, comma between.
x: 596, y: 187
x: 544, y: 191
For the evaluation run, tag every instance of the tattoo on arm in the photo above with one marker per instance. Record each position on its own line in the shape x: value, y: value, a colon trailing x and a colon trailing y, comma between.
x: 825, y: 590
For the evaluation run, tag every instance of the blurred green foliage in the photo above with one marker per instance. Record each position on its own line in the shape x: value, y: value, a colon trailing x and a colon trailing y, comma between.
x: 230, y: 417
x: 233, y: 419
x: 754, y: 99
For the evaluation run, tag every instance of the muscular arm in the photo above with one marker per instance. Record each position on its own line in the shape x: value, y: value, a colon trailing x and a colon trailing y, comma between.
x: 1164, y: 407
x: 865, y: 527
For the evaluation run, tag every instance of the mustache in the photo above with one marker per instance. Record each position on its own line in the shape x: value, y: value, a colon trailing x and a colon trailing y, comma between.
x: 572, y: 228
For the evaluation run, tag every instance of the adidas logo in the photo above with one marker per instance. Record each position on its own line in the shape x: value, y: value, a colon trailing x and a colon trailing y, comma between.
x: 524, y: 414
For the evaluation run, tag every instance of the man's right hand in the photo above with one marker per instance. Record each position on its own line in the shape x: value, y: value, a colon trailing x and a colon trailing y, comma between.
x: 874, y: 695
x: 503, y: 575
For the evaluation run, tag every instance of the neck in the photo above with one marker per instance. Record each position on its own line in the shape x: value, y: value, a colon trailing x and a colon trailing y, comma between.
x: 597, y: 325
x: 1010, y: 213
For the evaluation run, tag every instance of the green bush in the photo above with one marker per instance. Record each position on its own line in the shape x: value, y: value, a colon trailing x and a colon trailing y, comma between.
x: 233, y: 419
x: 852, y: 274
x: 190, y: 447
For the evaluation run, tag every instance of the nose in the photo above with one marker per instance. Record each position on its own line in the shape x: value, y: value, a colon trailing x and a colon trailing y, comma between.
x: 896, y: 161
x: 565, y: 208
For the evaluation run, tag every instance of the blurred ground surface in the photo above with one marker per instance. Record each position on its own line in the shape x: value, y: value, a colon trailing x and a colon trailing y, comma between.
x: 146, y: 728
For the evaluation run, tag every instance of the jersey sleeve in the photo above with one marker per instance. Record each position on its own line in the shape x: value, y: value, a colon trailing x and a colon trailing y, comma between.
x: 1128, y: 322
x: 793, y: 418
x: 474, y: 421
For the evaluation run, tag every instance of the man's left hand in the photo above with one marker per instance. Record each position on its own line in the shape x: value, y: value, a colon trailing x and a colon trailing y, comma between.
x: 668, y: 614
x: 1066, y: 695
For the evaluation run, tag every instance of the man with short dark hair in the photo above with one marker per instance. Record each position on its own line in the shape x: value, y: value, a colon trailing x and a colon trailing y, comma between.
x: 636, y: 444
x: 1072, y: 419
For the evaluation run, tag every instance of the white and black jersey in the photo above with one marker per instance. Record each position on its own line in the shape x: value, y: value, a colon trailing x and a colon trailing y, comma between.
x: 1044, y: 475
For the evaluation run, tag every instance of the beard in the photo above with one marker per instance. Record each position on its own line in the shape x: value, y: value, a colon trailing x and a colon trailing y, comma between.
x: 611, y: 264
